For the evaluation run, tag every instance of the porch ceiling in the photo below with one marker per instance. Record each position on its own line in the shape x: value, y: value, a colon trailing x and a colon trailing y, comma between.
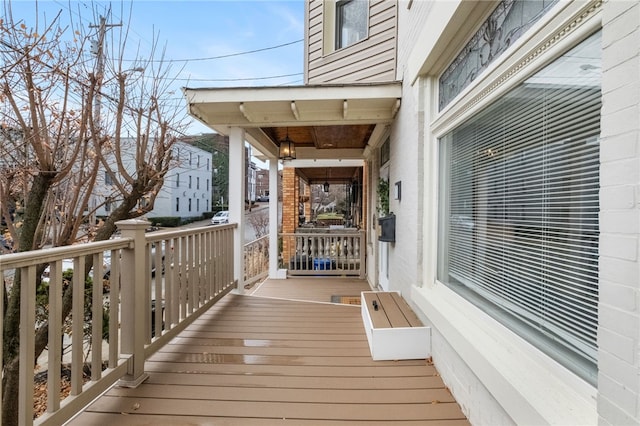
x: 323, y: 121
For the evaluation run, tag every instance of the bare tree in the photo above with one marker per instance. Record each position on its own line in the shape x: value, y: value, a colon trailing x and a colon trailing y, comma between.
x: 63, y: 127
x: 259, y: 221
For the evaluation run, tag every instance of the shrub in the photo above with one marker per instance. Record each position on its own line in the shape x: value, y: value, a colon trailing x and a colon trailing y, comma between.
x: 168, y: 221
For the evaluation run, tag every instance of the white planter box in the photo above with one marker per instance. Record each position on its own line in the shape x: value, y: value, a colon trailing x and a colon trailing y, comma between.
x: 393, y: 330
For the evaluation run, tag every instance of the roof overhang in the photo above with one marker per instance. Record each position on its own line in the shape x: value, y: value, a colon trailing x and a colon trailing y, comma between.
x: 322, y: 120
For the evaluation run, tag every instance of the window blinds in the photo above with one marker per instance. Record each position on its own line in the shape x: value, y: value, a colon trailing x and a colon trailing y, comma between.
x: 519, y: 221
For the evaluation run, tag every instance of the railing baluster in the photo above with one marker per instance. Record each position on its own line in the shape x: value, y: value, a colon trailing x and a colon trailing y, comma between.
x: 27, y: 343
x: 170, y: 286
x: 77, y: 328
x: 96, y: 318
x: 114, y: 309
x: 156, y: 297
x: 182, y: 265
x: 54, y: 347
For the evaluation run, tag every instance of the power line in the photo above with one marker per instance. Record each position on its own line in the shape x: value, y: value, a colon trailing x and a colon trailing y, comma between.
x: 237, y: 79
x: 210, y: 58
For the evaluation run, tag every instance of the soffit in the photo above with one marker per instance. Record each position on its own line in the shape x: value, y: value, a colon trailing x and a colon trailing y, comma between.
x: 323, y: 120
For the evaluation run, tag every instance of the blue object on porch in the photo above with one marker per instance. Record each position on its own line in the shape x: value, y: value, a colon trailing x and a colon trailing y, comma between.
x: 321, y: 264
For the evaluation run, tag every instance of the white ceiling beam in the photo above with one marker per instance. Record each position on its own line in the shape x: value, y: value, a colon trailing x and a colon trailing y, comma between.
x: 308, y: 164
x: 395, y: 108
x: 245, y: 112
x: 294, y: 110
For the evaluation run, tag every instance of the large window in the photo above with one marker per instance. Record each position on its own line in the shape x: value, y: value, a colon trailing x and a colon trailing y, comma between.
x: 519, y: 212
x: 352, y: 19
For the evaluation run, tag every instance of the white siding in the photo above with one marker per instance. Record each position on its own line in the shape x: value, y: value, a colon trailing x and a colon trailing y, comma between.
x: 370, y: 60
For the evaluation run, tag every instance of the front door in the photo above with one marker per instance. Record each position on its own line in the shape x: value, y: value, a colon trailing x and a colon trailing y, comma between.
x: 383, y: 248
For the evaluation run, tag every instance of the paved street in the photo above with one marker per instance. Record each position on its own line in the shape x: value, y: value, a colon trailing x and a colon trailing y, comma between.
x: 249, y: 232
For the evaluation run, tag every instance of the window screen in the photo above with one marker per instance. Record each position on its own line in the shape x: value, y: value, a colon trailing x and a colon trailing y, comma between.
x: 519, y: 212
x: 352, y: 22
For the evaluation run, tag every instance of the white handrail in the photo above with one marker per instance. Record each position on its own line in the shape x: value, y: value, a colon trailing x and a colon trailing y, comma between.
x: 183, y: 272
x: 328, y: 253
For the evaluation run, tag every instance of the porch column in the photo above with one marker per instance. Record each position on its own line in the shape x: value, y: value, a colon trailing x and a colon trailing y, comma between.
x: 237, y: 183
x: 273, y: 218
x: 289, y: 211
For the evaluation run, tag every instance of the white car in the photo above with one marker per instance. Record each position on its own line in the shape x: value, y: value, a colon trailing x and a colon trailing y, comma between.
x: 220, y: 217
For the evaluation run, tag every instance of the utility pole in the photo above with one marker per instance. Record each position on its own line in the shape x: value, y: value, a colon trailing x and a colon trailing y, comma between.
x: 97, y: 49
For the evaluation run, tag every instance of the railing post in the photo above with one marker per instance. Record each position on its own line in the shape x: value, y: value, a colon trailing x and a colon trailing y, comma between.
x: 132, y: 299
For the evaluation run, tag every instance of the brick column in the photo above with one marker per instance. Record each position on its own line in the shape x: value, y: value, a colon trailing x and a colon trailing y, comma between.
x: 289, y: 210
x: 306, y: 191
x: 619, y: 288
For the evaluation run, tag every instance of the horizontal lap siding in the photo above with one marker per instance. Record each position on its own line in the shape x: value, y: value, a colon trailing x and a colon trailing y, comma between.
x: 371, y: 60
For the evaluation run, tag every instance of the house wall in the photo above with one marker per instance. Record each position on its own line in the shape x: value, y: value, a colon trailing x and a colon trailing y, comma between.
x: 370, y: 60
x: 496, y: 376
x: 619, y: 317
x: 406, y: 167
x: 165, y: 203
x: 411, y: 15
x: 199, y: 195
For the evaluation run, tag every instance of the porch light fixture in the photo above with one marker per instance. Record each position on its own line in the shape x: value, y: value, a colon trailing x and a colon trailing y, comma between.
x: 325, y: 185
x: 287, y: 148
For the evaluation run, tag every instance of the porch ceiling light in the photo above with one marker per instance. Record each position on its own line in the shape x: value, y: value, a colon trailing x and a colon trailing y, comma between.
x: 325, y: 186
x: 287, y: 148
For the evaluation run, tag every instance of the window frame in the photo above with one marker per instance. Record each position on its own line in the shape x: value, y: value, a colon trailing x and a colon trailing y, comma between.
x: 512, y: 370
x: 570, y: 360
x: 339, y: 24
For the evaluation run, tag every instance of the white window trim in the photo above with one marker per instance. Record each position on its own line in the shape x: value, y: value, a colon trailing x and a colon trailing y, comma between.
x: 530, y: 386
x: 569, y: 25
x: 329, y: 28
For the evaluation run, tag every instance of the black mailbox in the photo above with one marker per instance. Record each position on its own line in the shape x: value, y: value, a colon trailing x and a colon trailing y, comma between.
x: 388, y: 229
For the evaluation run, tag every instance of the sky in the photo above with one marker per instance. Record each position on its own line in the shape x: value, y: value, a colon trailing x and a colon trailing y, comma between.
x: 195, y: 34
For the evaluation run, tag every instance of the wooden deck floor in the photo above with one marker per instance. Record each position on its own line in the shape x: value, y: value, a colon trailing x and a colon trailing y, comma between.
x: 254, y: 360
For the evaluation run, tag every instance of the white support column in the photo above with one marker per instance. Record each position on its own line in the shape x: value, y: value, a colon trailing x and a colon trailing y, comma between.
x: 273, y: 218
x: 237, y: 183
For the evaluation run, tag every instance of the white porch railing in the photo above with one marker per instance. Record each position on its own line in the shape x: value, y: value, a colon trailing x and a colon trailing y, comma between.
x: 256, y: 260
x: 339, y: 253
x: 180, y: 273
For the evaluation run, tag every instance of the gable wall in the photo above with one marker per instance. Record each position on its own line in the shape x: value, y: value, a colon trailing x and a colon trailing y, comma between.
x: 370, y: 60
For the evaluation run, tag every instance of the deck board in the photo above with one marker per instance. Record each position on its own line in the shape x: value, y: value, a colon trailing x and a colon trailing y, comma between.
x: 267, y: 361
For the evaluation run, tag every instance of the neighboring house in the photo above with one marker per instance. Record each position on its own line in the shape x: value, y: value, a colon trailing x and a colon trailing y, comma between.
x: 262, y: 183
x: 186, y: 192
x: 250, y: 188
x: 508, y: 133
